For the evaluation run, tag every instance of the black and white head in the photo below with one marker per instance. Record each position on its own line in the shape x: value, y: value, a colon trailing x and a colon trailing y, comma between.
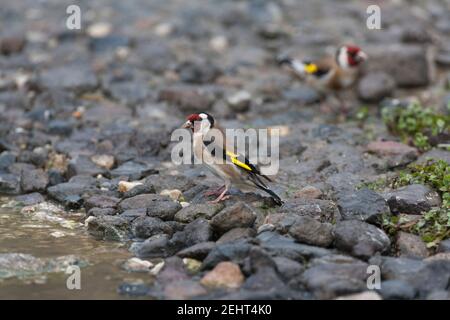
x: 350, y: 57
x: 199, y: 122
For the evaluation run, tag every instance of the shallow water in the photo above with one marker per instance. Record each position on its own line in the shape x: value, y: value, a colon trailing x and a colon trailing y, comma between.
x: 52, y: 238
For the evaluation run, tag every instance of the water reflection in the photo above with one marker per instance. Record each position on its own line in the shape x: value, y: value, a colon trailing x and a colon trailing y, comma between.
x: 52, y: 238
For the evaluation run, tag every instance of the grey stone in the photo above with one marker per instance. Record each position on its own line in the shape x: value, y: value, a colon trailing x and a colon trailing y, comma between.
x: 424, y: 277
x: 114, y: 228
x: 330, y: 278
x: 310, y: 231
x: 236, y: 234
x: 364, y: 205
x: 436, y: 154
x: 7, y: 158
x: 195, y: 232
x: 396, y: 289
x: 73, y: 201
x: 146, y: 227
x: 74, y: 76
x: 164, y: 210
x: 155, y: 56
x: 410, y: 65
x: 134, y: 213
x: 438, y: 295
x: 12, y: 44
x: 282, y: 246
x: 360, y: 239
x: 30, y: 199
x: 61, y: 191
x: 266, y: 280
x: 108, y: 43
x: 101, y: 201
x: 198, y: 251
x: 444, y: 246
x: 236, y: 251
x: 194, y: 211
x: 83, y: 165
x: 240, y: 215
x: 133, y: 170
x: 141, y: 201
x: 413, y: 199
x: 61, y: 127
x: 303, y: 95
x: 187, y: 99
x: 170, y: 182
x: 288, y: 268
x: 55, y: 177
x: 139, y: 189
x: 322, y: 210
x: 376, y: 86
x: 9, y: 184
x: 198, y: 71
x: 97, y: 212
x: 154, y: 247
x: 410, y: 245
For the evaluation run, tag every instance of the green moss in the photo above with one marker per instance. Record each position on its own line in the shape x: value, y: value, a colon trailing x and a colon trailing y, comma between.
x: 362, y: 114
x: 416, y: 124
x: 377, y: 185
x: 434, y: 225
x: 435, y: 174
x: 390, y: 224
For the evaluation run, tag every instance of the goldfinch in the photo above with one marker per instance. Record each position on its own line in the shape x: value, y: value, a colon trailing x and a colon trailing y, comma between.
x: 233, y: 169
x: 330, y: 73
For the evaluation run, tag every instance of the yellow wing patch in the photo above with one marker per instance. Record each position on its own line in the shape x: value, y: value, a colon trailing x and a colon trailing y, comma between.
x: 311, y: 68
x: 235, y: 161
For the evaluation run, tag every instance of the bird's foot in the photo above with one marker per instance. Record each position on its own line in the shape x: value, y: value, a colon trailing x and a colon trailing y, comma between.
x: 214, y: 192
x: 220, y: 199
x: 325, y: 108
x: 222, y: 196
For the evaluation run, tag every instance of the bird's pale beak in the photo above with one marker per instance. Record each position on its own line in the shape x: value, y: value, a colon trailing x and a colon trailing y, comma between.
x: 362, y: 56
x: 187, y: 125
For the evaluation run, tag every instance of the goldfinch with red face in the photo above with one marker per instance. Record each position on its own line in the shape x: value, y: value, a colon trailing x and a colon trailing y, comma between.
x: 233, y: 169
x: 330, y: 73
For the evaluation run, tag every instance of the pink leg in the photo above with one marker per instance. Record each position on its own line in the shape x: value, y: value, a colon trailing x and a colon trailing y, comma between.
x: 222, y: 196
x: 344, y: 108
x: 214, y: 192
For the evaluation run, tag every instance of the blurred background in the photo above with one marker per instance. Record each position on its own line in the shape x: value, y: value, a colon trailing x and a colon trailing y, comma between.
x: 82, y: 109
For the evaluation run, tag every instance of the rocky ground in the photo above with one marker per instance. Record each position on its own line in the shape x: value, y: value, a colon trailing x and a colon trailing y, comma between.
x: 86, y: 119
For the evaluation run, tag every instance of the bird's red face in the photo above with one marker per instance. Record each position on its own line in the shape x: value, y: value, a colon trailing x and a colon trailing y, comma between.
x: 354, y: 55
x: 191, y: 119
x: 197, y: 121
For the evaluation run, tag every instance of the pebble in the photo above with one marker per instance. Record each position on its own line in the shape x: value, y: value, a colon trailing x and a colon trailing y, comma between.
x: 192, y: 265
x: 219, y: 43
x: 174, y: 194
x: 240, y: 101
x: 308, y: 192
x: 137, y: 265
x: 99, y: 30
x: 225, y: 275
x: 157, y: 268
x: 125, y: 186
x: 103, y: 160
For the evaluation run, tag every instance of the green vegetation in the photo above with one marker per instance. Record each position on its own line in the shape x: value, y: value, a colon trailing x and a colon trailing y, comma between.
x: 362, y: 114
x: 436, y: 174
x: 378, y: 185
x: 416, y: 124
x: 434, y: 225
